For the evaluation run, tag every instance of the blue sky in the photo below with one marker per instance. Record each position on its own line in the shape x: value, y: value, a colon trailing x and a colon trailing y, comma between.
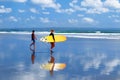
x: 59, y: 13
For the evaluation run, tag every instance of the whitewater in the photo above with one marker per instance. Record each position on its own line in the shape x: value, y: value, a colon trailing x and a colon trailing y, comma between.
x: 97, y: 35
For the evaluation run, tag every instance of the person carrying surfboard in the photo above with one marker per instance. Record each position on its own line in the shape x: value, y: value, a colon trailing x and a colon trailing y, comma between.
x: 33, y: 37
x: 52, y: 43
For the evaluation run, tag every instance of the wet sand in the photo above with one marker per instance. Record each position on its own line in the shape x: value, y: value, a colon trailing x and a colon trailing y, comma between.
x: 85, y: 59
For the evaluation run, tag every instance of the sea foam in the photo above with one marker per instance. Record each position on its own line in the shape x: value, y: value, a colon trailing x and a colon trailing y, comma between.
x: 97, y: 35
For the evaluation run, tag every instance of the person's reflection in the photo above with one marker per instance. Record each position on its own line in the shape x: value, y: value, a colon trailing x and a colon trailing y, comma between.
x: 32, y: 55
x: 52, y: 61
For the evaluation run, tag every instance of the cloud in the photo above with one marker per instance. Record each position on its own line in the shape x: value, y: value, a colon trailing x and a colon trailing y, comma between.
x: 114, y: 16
x: 76, y: 7
x: 109, y: 66
x: 1, y: 21
x: 48, y: 4
x: 46, y: 13
x: 112, y: 3
x: 32, y: 17
x: 5, y: 10
x: 99, y: 6
x: 12, y: 18
x: 21, y: 1
x: 44, y: 20
x: 72, y: 21
x: 92, y: 3
x: 33, y: 73
x: 33, y: 10
x: 93, y: 61
x: 80, y: 15
x: 97, y: 10
x: 21, y: 11
x: 88, y: 20
x: 94, y: 6
x: 117, y: 20
x: 68, y: 11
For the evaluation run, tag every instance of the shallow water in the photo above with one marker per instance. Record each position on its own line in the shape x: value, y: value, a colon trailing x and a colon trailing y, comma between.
x: 85, y: 59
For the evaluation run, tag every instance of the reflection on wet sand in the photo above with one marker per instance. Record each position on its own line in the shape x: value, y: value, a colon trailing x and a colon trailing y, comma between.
x: 51, y: 66
x: 52, y: 62
x: 32, y: 55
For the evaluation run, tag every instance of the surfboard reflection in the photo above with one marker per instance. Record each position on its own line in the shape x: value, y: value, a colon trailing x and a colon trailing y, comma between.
x: 52, y: 66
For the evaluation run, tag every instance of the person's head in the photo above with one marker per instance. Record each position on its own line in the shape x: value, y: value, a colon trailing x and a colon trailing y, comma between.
x: 51, y: 30
x: 33, y: 30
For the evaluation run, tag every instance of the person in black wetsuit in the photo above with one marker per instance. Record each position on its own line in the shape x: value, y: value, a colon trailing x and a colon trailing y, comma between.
x: 52, y: 43
x: 33, y: 37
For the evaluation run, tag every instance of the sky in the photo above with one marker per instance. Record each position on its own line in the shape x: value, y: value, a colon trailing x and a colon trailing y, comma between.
x: 59, y: 13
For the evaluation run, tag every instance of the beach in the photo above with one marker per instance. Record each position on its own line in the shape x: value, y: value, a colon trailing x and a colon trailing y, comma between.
x: 86, y: 56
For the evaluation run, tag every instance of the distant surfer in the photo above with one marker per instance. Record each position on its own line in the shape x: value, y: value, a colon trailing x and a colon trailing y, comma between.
x: 33, y: 37
x: 52, y: 43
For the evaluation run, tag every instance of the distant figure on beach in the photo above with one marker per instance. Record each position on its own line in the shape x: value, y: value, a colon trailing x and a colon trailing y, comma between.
x: 52, y: 43
x: 33, y: 37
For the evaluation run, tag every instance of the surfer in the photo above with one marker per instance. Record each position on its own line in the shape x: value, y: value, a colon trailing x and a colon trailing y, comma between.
x: 33, y: 37
x: 52, y: 43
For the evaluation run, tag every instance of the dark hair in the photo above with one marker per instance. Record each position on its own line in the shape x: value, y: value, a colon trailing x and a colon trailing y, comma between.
x: 33, y: 30
x: 52, y: 30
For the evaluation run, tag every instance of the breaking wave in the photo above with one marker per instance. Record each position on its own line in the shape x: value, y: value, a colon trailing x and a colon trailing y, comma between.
x: 97, y: 35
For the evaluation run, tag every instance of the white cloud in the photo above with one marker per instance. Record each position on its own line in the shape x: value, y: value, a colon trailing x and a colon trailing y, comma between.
x: 68, y: 11
x: 72, y: 21
x: 99, y: 6
x: 113, y: 16
x: 109, y: 66
x: 88, y: 20
x: 93, y: 61
x: 1, y: 20
x: 5, y: 10
x: 33, y: 10
x: 97, y: 10
x: 34, y: 71
x: 12, y: 18
x: 112, y: 3
x: 92, y: 3
x: 117, y: 20
x: 21, y: 1
x: 80, y: 15
x: 75, y: 7
x: 21, y: 11
x: 44, y: 20
x: 48, y: 4
x: 94, y: 6
x: 32, y: 17
x: 46, y: 13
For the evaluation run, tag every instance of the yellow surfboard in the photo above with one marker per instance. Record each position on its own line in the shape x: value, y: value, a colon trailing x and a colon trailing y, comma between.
x: 58, y: 38
x: 53, y: 66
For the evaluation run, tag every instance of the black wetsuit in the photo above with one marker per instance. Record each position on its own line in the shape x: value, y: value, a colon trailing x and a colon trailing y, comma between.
x: 51, y: 34
x: 33, y: 37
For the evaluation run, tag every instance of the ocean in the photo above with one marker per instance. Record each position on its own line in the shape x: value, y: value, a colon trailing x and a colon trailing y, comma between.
x: 89, y: 54
x: 100, y: 33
